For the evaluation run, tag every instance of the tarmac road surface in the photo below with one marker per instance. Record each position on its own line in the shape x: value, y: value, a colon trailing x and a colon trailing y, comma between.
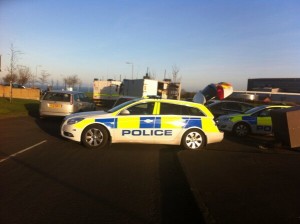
x: 53, y: 180
x: 47, y: 179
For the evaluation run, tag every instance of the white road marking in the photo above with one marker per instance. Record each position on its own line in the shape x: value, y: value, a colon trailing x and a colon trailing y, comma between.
x: 24, y: 150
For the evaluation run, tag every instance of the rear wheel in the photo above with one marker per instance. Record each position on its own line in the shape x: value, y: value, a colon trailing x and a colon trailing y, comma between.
x: 94, y: 136
x: 241, y: 129
x: 193, y: 140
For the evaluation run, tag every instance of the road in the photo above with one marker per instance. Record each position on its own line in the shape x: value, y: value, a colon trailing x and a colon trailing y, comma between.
x: 48, y: 179
x: 59, y: 181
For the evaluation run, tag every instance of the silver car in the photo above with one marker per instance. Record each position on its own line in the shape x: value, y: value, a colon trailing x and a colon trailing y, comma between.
x: 63, y: 103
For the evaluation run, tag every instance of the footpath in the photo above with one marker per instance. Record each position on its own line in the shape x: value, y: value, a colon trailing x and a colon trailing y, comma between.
x: 243, y: 184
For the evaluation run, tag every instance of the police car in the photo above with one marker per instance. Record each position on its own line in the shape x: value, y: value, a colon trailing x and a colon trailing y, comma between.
x: 149, y: 121
x: 256, y: 120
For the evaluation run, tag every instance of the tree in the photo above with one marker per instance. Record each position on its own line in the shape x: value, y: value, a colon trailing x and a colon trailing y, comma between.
x: 71, y: 81
x: 12, y: 76
x: 175, y: 71
x: 24, y: 75
x: 43, y: 78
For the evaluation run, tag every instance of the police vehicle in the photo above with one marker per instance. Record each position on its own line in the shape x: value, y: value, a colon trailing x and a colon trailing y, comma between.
x: 149, y: 121
x: 256, y: 120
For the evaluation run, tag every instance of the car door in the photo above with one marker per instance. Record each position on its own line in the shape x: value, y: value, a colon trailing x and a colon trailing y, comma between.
x: 264, y: 122
x: 137, y: 124
x: 171, y: 122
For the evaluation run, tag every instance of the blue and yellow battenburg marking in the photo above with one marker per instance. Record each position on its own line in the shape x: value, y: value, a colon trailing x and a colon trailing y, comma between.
x: 250, y: 119
x: 151, y: 122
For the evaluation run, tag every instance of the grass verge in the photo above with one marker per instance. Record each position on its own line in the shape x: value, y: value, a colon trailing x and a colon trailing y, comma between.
x: 18, y: 107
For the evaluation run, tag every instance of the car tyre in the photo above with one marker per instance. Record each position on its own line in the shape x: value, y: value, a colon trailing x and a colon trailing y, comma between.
x: 241, y: 129
x: 193, y: 139
x: 94, y: 136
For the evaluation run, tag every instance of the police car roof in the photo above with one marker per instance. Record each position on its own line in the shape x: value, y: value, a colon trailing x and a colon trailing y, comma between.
x: 170, y: 101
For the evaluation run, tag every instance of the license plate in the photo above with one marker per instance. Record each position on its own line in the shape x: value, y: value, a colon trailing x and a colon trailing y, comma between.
x: 54, y: 105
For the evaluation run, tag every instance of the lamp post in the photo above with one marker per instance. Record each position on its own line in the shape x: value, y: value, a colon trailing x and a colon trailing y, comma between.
x: 130, y: 63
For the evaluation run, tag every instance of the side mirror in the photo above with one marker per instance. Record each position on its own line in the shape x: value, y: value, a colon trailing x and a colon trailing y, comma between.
x: 125, y: 112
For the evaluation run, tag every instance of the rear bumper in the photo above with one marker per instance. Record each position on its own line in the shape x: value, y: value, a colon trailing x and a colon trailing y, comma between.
x: 214, y: 137
x: 53, y: 114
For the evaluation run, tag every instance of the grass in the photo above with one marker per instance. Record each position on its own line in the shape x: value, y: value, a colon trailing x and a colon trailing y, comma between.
x: 18, y: 107
x: 21, y: 107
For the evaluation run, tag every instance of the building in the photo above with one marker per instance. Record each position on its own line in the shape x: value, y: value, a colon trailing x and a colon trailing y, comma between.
x: 288, y: 85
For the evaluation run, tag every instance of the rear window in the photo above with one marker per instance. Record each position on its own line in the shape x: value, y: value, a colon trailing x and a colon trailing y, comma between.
x: 62, y: 97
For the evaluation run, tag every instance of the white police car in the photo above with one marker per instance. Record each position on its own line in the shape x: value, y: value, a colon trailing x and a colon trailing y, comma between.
x: 149, y: 121
x: 256, y: 120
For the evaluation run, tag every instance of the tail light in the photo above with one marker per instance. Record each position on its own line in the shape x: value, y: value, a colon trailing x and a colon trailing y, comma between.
x: 71, y: 100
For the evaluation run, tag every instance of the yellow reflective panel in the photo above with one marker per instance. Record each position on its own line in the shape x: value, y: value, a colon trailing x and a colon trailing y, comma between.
x: 128, y: 122
x: 208, y: 125
x: 265, y: 121
x: 84, y: 123
x: 172, y: 122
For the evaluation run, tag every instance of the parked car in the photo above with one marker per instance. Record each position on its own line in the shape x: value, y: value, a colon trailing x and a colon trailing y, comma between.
x: 15, y: 85
x: 256, y: 120
x: 63, y: 103
x: 145, y: 121
x: 223, y: 107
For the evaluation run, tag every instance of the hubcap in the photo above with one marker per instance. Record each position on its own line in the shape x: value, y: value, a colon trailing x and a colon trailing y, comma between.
x: 193, y: 140
x: 94, y: 137
x: 241, y: 130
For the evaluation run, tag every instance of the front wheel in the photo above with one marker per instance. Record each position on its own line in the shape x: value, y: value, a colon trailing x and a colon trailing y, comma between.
x: 94, y: 136
x: 193, y: 140
x: 241, y: 129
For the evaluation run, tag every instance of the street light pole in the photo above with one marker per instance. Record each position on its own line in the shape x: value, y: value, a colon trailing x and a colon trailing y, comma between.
x: 130, y: 63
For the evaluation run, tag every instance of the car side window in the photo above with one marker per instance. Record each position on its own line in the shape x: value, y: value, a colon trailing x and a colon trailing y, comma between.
x: 233, y: 106
x: 82, y: 97
x: 216, y: 106
x: 76, y: 97
x: 167, y: 109
x: 245, y: 108
x: 265, y: 113
x: 173, y: 109
x: 142, y: 109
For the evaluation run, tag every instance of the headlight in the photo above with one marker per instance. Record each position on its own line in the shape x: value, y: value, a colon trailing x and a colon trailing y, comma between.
x: 74, y: 120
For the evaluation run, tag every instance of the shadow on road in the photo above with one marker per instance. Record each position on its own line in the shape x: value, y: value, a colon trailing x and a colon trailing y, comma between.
x: 33, y: 109
x: 50, y: 125
x: 178, y: 203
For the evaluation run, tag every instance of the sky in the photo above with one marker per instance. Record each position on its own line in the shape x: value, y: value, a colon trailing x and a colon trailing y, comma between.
x: 208, y: 41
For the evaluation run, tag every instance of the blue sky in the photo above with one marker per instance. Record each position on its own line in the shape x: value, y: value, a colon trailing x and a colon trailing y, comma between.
x: 209, y: 41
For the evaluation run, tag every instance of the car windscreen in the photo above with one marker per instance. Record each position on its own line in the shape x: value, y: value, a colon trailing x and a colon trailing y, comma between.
x: 254, y: 110
x: 62, y: 97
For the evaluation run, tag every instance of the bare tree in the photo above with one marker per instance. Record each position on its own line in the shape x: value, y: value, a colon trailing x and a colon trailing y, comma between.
x: 43, y: 78
x: 12, y: 76
x: 175, y: 71
x: 71, y: 81
x: 24, y: 75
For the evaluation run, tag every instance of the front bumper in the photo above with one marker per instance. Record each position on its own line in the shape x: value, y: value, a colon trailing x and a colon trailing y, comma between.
x: 225, y: 126
x: 70, y: 132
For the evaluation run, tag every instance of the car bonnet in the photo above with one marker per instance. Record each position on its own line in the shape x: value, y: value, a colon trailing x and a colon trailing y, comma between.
x: 87, y: 114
